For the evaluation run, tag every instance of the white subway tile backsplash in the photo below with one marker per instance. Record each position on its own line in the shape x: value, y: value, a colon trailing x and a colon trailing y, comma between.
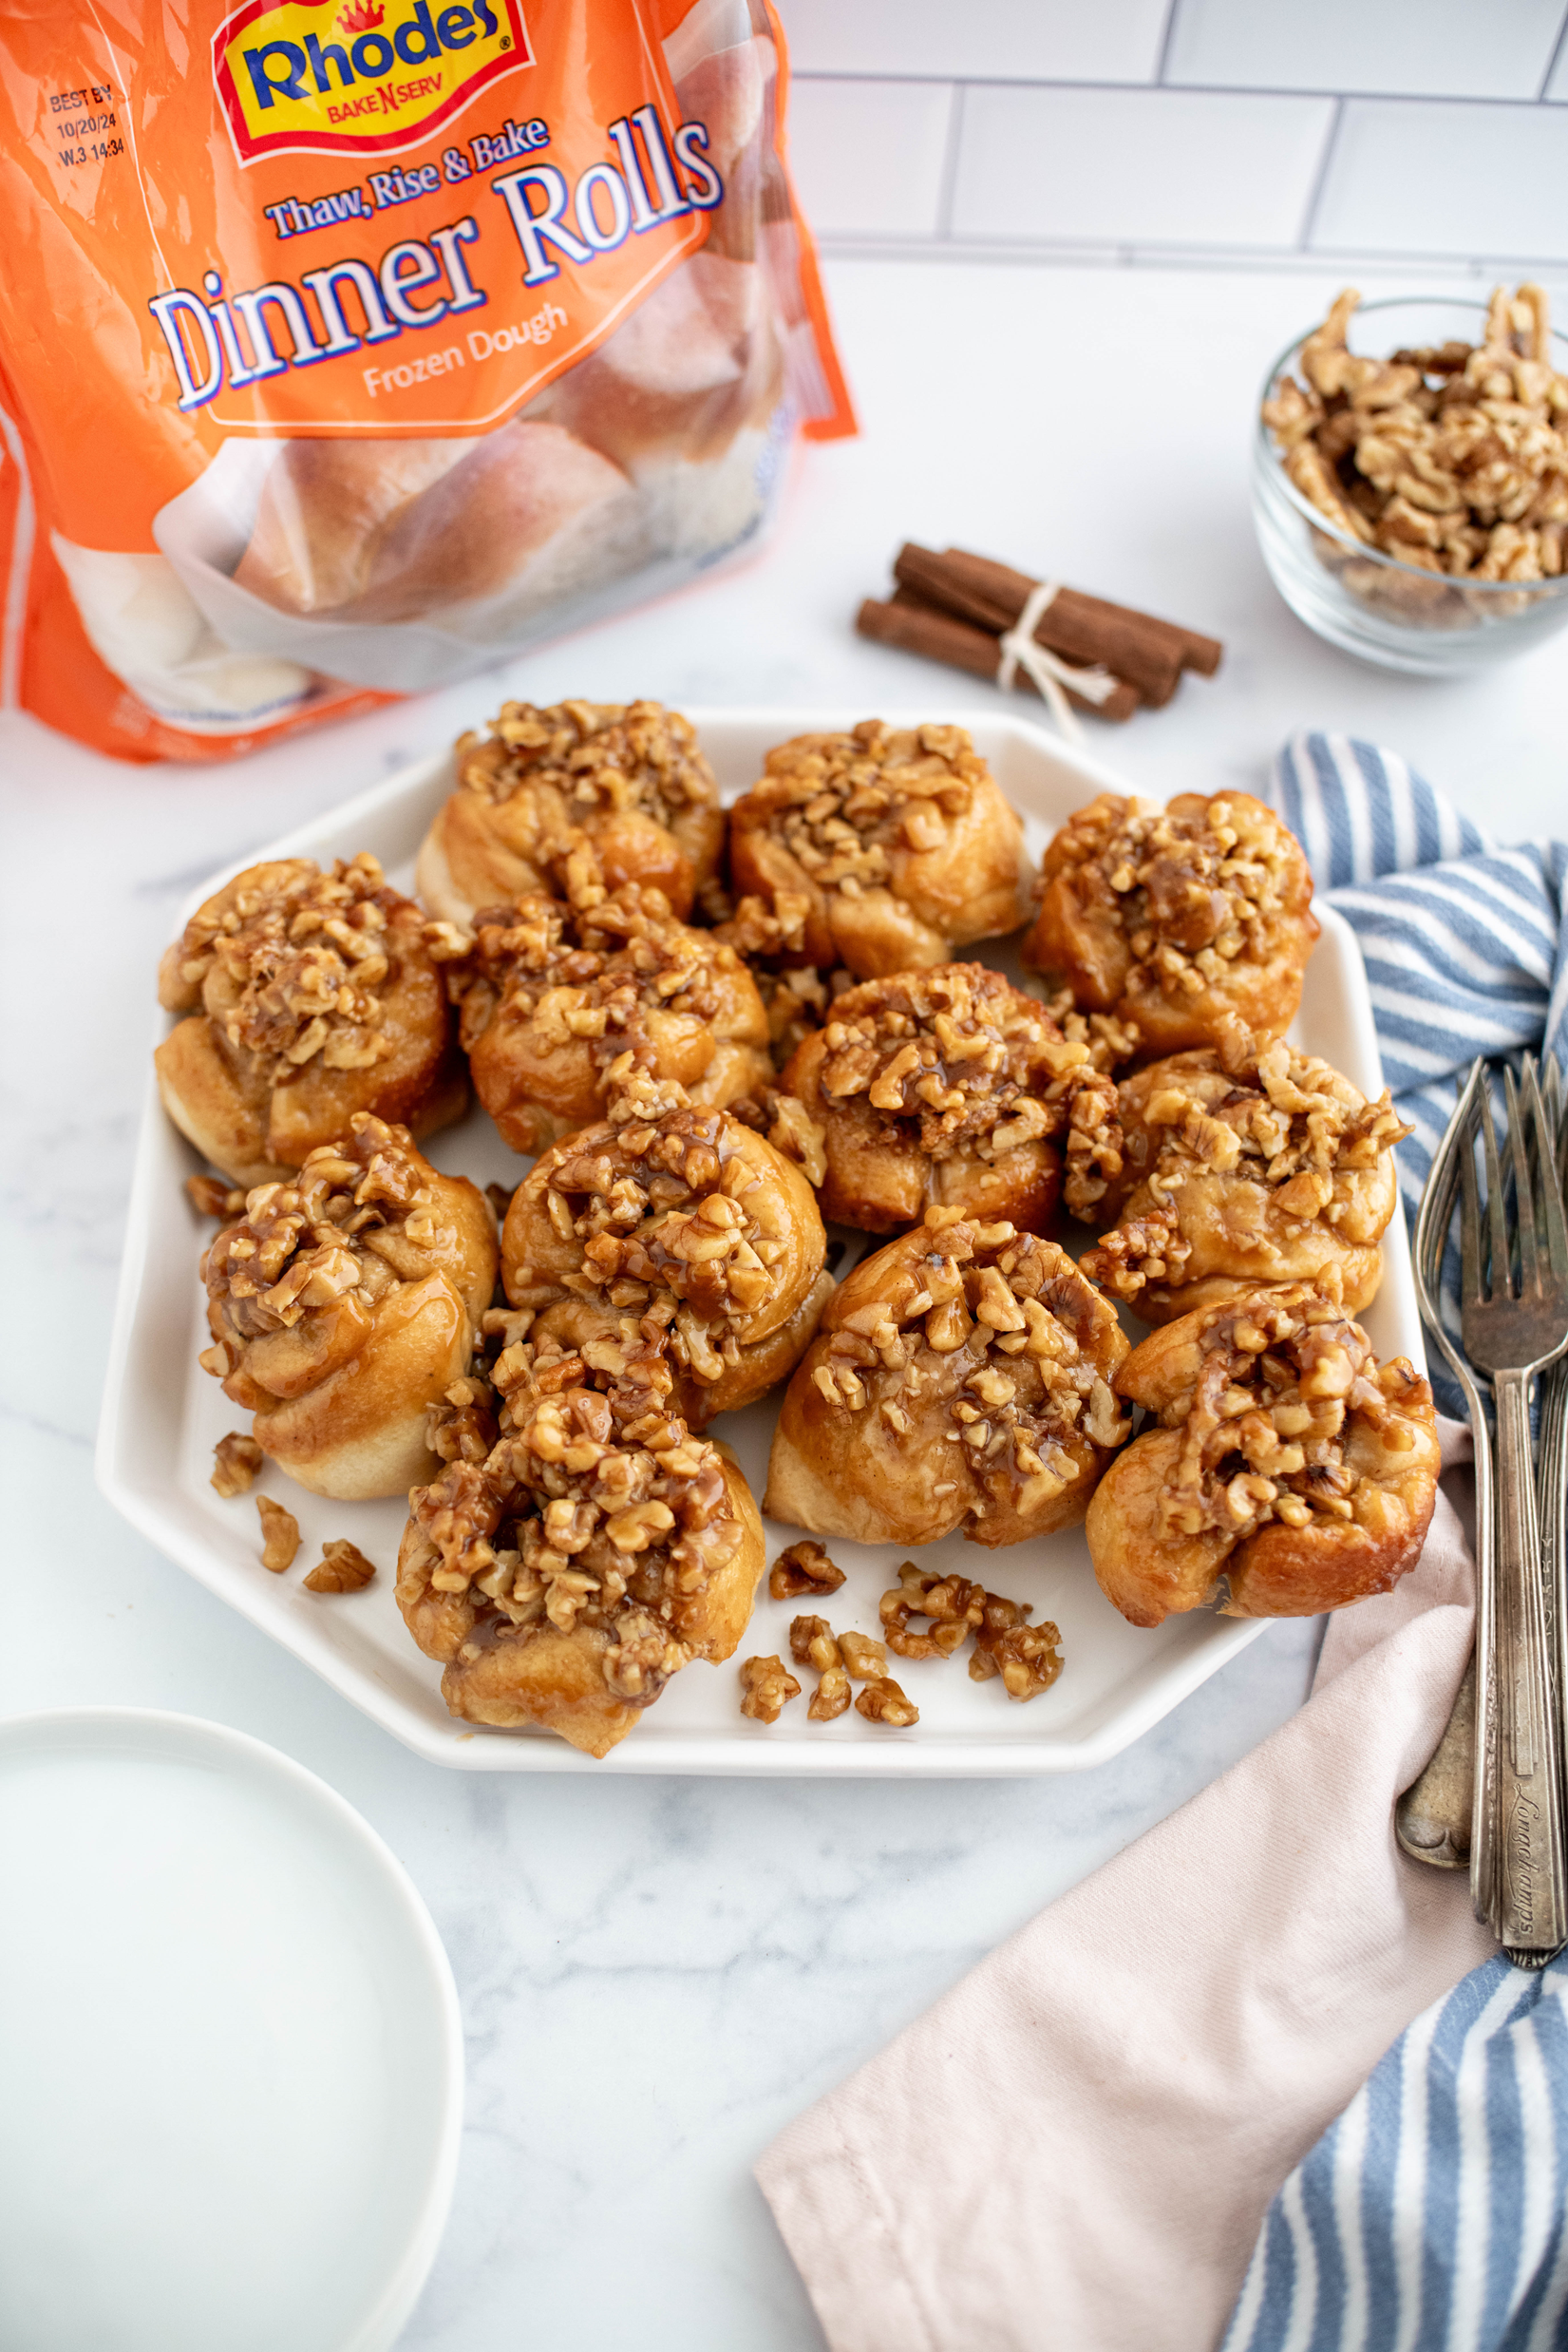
x: 1556, y: 89
x: 868, y: 156
x: 1442, y: 48
x: 1159, y: 167
x: 986, y: 41
x: 1424, y: 178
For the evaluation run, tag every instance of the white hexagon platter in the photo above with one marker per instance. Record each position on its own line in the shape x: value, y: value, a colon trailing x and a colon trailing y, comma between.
x: 163, y: 1415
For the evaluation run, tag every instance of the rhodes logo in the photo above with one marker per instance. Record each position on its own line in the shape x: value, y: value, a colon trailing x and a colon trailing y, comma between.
x: 368, y: 76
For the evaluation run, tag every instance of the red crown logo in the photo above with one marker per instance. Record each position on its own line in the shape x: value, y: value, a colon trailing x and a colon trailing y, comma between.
x: 360, y: 16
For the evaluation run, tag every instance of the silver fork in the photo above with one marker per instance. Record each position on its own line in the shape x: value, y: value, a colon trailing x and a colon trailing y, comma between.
x: 1553, y: 1482
x: 1444, y: 1817
x: 1515, y: 1316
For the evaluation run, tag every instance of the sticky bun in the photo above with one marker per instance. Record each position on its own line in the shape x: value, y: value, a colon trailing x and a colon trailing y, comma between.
x: 342, y: 1305
x: 309, y: 996
x: 628, y: 776
x: 961, y: 1378
x: 1179, y: 917
x: 686, y: 1216
x: 554, y: 996
x: 942, y: 1086
x: 881, y: 850
x: 1254, y: 1165
x: 1288, y: 1462
x: 563, y: 1572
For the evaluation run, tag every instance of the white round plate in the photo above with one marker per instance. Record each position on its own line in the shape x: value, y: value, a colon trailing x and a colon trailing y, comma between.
x: 231, y: 2056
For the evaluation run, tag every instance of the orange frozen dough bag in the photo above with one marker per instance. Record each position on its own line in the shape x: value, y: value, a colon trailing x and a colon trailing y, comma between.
x: 347, y: 346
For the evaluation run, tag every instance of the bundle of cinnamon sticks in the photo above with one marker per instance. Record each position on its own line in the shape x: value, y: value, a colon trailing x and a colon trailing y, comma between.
x: 957, y: 607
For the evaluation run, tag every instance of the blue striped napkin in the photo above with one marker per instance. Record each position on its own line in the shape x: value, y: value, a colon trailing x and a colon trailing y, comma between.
x: 1463, y: 941
x: 1434, y: 2212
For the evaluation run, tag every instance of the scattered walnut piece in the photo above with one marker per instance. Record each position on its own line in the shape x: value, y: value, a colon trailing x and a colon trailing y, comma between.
x: 865, y: 1659
x: 500, y: 1197
x: 811, y: 1643
x: 344, y: 1568
x: 767, y: 1688
x: 805, y: 1567
x: 279, y: 1535
x: 831, y: 1697
x: 236, y: 1461
x: 211, y: 1196
x: 882, y: 1701
x: 951, y: 1605
x: 1027, y: 1657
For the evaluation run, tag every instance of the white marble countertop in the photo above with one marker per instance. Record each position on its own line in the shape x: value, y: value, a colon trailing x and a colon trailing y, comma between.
x: 657, y: 1973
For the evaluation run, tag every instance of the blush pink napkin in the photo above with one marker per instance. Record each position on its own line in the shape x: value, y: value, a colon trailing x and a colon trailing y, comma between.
x: 1076, y: 2147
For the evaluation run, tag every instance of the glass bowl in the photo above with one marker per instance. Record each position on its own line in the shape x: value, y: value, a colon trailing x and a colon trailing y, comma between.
x: 1393, y: 614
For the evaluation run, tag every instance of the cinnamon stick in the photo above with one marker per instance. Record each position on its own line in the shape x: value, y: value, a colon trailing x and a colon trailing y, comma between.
x: 915, y: 627
x: 1151, y: 653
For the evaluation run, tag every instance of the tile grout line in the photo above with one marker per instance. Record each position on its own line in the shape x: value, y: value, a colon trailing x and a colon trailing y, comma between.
x: 851, y: 245
x: 1551, y: 61
x: 1320, y: 180
x: 1167, y: 35
x: 1187, y: 89
x: 947, y: 188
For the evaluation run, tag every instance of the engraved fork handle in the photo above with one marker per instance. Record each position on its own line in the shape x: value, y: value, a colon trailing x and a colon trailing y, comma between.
x: 1532, y: 1901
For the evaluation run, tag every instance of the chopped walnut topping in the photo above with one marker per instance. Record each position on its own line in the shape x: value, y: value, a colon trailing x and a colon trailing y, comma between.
x: 795, y: 1132
x: 1264, y: 1428
x: 288, y: 969
x: 675, y: 1222
x: 861, y: 1657
x: 237, y: 1462
x: 343, y: 1569
x: 213, y: 1196
x: 1263, y: 1113
x: 953, y: 1058
x: 590, y: 973
x: 882, y: 1701
x: 1007, y: 1298
x: 1110, y: 1041
x: 1453, y: 461
x: 1094, y: 1145
x: 831, y: 1697
x: 597, y: 756
x: 842, y: 803
x: 767, y: 1688
x: 1028, y: 1658
x: 805, y: 1567
x: 596, y: 1507
x: 358, y: 1218
x: 1189, y: 894
x: 798, y: 1001
x: 462, y: 1426
x: 279, y: 1535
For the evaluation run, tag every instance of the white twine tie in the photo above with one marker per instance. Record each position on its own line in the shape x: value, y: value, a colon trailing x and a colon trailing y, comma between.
x: 1020, y: 650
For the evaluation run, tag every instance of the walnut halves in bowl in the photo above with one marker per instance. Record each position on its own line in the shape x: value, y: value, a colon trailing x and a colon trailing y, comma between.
x: 1181, y: 919
x: 938, y: 1087
x: 1257, y: 1163
x: 629, y: 777
x: 558, y: 999
x: 686, y: 1216
x: 309, y: 995
x: 1287, y: 1460
x: 344, y: 1304
x: 596, y: 1550
x: 961, y: 1378
x: 881, y: 849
